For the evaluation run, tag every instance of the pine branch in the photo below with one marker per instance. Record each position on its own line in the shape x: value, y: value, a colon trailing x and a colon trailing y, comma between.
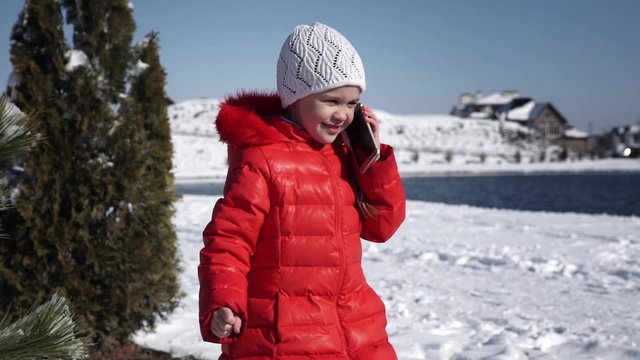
x: 16, y: 137
x: 47, y: 331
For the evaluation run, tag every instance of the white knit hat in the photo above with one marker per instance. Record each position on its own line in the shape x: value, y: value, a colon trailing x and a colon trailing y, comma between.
x: 314, y: 59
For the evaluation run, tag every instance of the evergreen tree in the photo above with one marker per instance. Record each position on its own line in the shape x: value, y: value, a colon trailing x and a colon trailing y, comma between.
x: 48, y: 330
x: 147, y: 93
x: 103, y: 30
x: 37, y: 54
x: 94, y: 213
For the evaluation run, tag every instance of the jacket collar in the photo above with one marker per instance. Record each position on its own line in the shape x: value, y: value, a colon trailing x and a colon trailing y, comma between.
x: 254, y: 119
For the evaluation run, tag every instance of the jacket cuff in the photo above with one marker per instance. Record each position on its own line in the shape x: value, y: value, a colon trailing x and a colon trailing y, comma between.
x: 381, y: 172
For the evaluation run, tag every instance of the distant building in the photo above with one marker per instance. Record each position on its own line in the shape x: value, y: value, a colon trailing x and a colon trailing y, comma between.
x: 576, y: 141
x: 625, y: 141
x: 478, y: 106
x: 510, y: 106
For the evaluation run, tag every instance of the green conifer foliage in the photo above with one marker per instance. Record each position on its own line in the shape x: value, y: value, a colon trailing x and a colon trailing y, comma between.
x: 103, y: 30
x: 48, y: 330
x: 37, y: 55
x: 147, y: 92
x: 45, y: 332
x: 94, y: 213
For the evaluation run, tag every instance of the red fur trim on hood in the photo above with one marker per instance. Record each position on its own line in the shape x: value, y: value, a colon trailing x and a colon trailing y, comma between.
x: 242, y: 120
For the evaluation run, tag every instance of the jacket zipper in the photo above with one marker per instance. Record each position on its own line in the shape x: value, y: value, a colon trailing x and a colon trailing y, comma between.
x: 338, y: 232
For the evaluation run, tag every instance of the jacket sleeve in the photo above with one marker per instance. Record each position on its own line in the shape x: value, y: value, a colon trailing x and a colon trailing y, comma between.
x: 230, y: 239
x: 382, y: 187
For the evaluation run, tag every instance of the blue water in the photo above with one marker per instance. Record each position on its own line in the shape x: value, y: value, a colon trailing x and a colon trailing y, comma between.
x: 593, y: 193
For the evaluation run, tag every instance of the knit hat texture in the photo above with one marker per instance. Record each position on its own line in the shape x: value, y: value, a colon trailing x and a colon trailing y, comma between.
x: 314, y: 59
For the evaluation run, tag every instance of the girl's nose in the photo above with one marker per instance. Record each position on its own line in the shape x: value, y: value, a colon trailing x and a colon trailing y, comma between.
x: 341, y: 115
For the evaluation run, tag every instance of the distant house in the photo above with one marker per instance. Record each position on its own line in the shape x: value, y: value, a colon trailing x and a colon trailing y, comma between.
x: 484, y: 107
x: 576, y: 141
x: 625, y: 141
x: 510, y: 106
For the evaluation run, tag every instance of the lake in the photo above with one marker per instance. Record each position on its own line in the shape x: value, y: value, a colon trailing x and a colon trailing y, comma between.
x: 594, y: 193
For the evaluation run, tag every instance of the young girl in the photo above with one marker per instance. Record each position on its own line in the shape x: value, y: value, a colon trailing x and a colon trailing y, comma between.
x: 280, y: 273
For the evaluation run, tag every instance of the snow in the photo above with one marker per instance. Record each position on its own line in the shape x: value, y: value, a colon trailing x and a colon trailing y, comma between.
x: 102, y: 160
x: 575, y: 133
x: 521, y: 113
x: 469, y: 283
x: 139, y: 68
x: 143, y: 43
x: 13, y: 111
x: 497, y: 98
x: 75, y: 59
x: 12, y: 85
x: 459, y: 282
x: 479, y: 115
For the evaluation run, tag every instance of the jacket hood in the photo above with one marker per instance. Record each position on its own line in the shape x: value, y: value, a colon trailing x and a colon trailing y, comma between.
x: 246, y: 119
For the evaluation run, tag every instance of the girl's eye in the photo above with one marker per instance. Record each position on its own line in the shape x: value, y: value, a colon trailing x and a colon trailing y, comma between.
x: 332, y: 102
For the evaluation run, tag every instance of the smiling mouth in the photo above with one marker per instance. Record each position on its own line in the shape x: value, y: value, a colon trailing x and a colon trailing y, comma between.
x: 331, y: 126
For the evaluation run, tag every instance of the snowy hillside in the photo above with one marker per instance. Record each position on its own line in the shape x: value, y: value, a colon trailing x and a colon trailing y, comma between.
x: 418, y: 140
x: 194, y: 116
x: 198, y: 153
x: 436, y: 139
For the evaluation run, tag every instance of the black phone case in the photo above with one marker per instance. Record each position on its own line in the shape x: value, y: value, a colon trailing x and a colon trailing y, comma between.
x: 358, y: 137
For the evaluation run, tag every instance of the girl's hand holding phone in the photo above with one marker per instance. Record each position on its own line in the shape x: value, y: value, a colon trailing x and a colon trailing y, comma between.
x: 371, y: 118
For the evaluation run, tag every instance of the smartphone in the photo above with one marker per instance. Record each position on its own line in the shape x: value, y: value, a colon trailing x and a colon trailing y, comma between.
x: 359, y: 139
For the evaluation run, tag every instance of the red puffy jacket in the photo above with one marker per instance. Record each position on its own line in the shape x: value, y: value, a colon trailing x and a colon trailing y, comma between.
x: 283, y: 247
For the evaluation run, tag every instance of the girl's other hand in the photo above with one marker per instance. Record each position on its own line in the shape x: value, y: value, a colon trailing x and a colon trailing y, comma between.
x: 224, y: 321
x: 372, y: 119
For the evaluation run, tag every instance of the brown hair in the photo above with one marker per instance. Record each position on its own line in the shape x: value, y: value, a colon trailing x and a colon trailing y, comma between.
x: 366, y: 208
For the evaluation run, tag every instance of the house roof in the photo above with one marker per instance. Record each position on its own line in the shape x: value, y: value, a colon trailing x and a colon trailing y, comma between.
x: 531, y: 110
x: 506, y: 105
x: 543, y: 105
x: 574, y: 133
x: 497, y: 98
x: 522, y: 113
x: 633, y: 129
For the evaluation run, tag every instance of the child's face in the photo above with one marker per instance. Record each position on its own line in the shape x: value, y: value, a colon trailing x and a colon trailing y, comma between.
x: 326, y: 114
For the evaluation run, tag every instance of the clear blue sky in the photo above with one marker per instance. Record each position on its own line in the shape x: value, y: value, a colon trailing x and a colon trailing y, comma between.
x: 582, y: 55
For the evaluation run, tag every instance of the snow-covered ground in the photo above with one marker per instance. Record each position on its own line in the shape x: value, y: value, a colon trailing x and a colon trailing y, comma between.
x: 470, y: 283
x: 459, y: 282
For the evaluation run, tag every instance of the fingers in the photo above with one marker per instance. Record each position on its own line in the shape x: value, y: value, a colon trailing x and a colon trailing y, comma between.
x: 238, y: 324
x: 372, y: 119
x: 369, y: 115
x: 219, y: 326
x: 227, y: 315
x: 224, y: 321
